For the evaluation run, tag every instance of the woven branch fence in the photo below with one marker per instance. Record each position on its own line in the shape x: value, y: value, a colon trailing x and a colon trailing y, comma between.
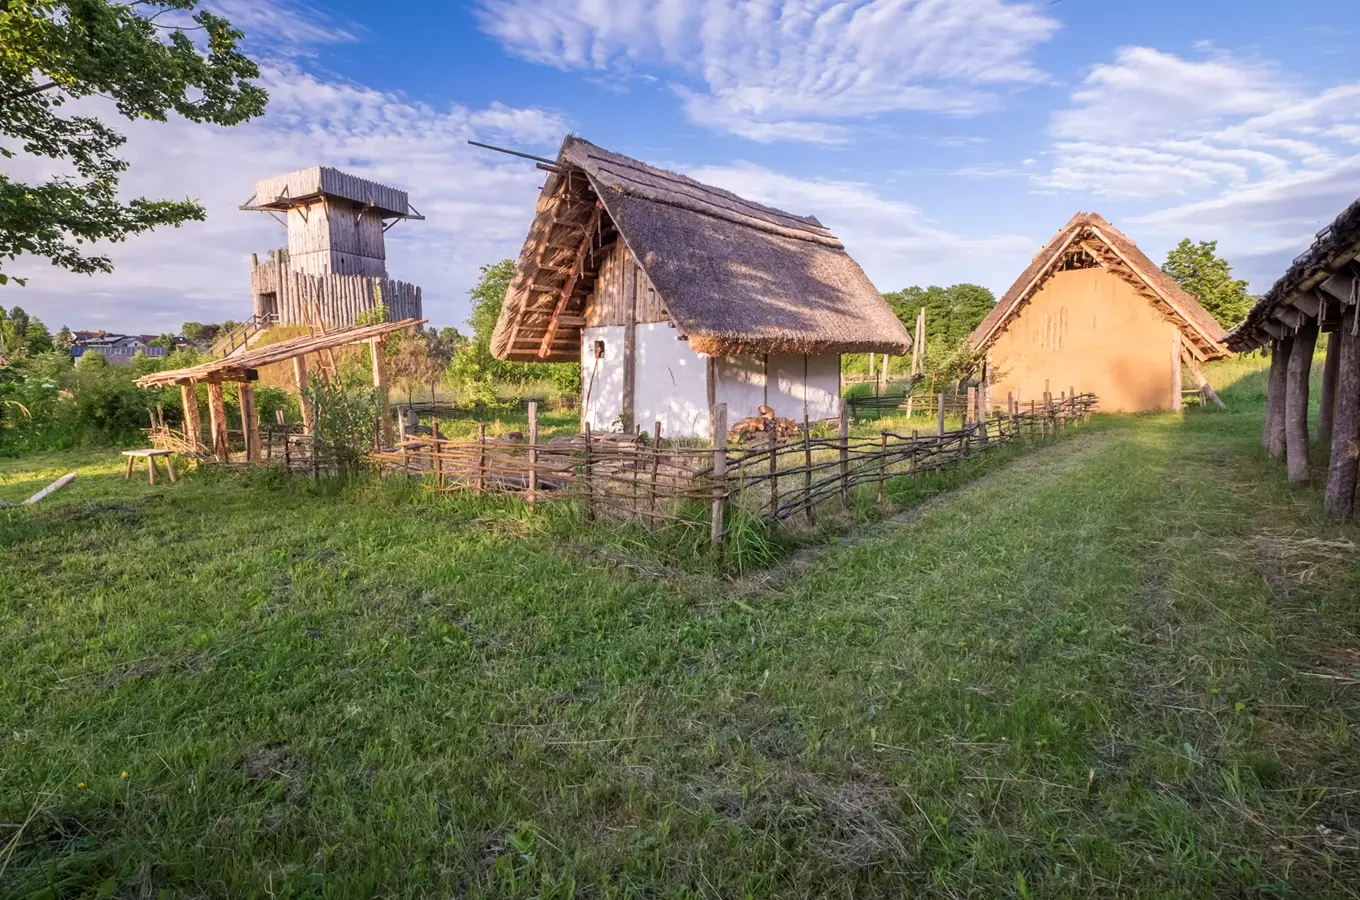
x: 645, y: 477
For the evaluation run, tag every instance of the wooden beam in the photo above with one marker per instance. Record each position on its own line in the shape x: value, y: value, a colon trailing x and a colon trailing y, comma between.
x: 572, y: 276
x: 193, y: 426
x: 630, y: 289
x: 1290, y: 316
x: 1341, y: 286
x: 1327, y: 408
x: 1307, y: 303
x: 217, y: 422
x: 250, y: 423
x: 1274, y: 329
x: 51, y: 489
x: 1339, y: 495
x: 304, y: 401
x: 1275, y: 393
x: 1296, y: 400
x: 1204, y: 387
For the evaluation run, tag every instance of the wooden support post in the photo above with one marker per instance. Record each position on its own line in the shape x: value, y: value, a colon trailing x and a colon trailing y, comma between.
x: 1205, y: 388
x: 479, y: 483
x: 250, y: 423
x: 1176, y: 384
x: 1297, y: 374
x: 1275, y: 402
x: 533, y: 452
x: 630, y: 291
x: 807, y: 468
x: 375, y: 352
x: 589, y: 470
x: 217, y: 422
x: 1327, y: 409
x: 193, y: 427
x: 939, y: 415
x: 1339, y: 496
x: 774, y: 470
x: 656, y: 464
x: 304, y: 401
x: 715, y: 533
x: 844, y: 451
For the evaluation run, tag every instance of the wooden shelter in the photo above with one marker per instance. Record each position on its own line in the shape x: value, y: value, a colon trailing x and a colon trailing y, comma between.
x: 242, y: 367
x: 335, y: 266
x: 676, y: 296
x: 1318, y: 295
x: 1092, y: 310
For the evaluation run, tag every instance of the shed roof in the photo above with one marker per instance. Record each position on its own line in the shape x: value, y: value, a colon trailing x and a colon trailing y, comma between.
x: 238, y: 366
x: 1090, y: 234
x: 1317, y: 283
x: 735, y: 276
x: 280, y: 192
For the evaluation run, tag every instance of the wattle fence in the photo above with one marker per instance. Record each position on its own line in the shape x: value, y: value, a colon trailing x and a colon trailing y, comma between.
x: 645, y: 477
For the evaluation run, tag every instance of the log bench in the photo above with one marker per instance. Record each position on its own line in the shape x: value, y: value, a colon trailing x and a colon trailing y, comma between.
x: 150, y: 457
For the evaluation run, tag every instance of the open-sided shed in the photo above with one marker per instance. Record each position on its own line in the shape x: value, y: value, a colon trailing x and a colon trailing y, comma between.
x: 1319, y: 294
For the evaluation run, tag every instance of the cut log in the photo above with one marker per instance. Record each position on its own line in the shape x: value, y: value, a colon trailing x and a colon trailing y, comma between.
x: 1339, y: 496
x: 51, y: 489
x: 1296, y: 400
x: 1204, y: 387
x: 1275, y: 403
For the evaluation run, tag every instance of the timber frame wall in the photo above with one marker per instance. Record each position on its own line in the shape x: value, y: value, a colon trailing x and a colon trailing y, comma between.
x: 289, y: 297
x: 1317, y: 299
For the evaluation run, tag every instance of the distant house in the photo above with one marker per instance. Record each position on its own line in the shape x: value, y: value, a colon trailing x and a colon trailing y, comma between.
x: 1093, y: 313
x: 675, y: 296
x: 118, y: 349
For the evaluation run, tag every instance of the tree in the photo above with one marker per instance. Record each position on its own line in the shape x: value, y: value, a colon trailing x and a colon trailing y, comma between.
x: 54, y: 51
x: 64, y: 341
x: 951, y: 313
x: 20, y: 333
x: 1203, y: 273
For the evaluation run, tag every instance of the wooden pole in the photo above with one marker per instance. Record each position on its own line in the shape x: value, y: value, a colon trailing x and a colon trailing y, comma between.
x: 1176, y: 384
x: 304, y: 402
x: 939, y: 415
x: 589, y: 469
x: 1327, y: 408
x: 774, y: 470
x: 1298, y: 370
x: 970, y: 410
x: 656, y: 464
x: 719, y: 472
x: 1204, y: 387
x: 480, y: 482
x: 316, y: 457
x: 844, y: 451
x: 375, y: 351
x: 217, y: 421
x: 807, y: 468
x: 533, y: 452
x: 1275, y: 396
x: 882, y: 462
x: 250, y: 422
x: 1339, y: 496
x: 193, y: 427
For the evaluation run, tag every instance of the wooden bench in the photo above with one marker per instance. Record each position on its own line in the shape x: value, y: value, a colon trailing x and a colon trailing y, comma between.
x: 150, y: 457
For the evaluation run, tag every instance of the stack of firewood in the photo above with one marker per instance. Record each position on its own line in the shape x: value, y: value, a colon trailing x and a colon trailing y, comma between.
x: 755, y: 428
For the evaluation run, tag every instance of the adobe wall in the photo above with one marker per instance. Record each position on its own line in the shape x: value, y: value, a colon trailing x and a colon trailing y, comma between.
x: 1088, y: 329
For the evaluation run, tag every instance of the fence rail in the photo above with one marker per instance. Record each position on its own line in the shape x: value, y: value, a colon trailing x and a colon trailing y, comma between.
x: 648, y: 478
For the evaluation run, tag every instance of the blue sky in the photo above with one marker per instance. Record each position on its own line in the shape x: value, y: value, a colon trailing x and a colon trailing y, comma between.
x: 943, y: 140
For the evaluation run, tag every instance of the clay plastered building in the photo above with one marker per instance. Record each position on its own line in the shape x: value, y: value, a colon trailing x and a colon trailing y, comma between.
x: 1094, y: 313
x: 675, y: 296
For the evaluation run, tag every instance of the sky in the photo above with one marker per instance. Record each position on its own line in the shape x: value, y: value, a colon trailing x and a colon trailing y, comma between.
x: 942, y: 140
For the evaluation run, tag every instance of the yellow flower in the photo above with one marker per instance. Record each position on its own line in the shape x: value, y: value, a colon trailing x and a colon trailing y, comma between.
x: 124, y: 775
x: 81, y: 785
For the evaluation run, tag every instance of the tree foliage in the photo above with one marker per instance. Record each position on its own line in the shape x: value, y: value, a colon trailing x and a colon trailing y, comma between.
x: 1203, y: 273
x: 22, y: 334
x: 151, y: 58
x: 951, y: 315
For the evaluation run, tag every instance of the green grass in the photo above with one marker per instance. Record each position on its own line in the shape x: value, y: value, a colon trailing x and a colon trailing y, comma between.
x: 1123, y: 665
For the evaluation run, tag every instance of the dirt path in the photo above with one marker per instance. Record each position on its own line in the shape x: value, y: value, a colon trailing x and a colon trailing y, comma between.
x: 1059, y: 457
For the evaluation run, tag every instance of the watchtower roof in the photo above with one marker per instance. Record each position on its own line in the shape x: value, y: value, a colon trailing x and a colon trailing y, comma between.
x: 308, y: 185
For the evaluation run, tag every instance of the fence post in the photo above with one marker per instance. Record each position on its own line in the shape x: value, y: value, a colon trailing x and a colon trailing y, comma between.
x: 807, y: 467
x: 939, y: 420
x: 845, y: 455
x: 533, y: 452
x: 316, y: 463
x: 588, y: 470
x: 774, y: 470
x: 480, y: 483
x: 656, y: 464
x: 882, y: 462
x: 970, y: 410
x: 719, y: 472
x: 911, y: 465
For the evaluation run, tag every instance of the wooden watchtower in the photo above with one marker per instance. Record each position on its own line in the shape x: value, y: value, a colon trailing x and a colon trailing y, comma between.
x: 335, y: 265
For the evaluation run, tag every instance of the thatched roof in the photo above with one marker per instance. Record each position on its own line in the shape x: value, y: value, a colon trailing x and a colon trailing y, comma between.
x: 734, y: 276
x: 1317, y: 283
x: 1089, y: 239
x: 240, y: 365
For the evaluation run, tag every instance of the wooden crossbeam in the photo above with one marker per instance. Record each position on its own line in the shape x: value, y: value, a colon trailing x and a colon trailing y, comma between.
x: 570, y: 286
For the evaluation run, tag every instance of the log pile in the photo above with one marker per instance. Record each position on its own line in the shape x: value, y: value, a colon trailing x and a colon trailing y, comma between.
x: 757, y: 428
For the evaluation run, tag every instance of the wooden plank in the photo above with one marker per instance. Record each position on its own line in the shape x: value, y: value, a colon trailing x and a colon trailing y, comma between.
x: 193, y: 426
x: 51, y: 489
x: 1298, y: 370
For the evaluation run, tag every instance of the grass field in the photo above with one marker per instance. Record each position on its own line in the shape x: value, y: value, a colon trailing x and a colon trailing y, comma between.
x: 1127, y: 664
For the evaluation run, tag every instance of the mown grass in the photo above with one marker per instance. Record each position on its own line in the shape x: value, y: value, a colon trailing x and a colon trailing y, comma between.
x: 1125, y: 665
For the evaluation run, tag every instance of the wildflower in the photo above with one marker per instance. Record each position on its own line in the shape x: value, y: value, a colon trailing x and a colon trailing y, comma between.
x: 81, y: 785
x: 124, y: 775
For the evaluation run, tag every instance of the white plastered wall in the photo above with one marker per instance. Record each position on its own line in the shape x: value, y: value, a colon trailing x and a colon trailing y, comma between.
x: 800, y: 385
x: 671, y: 385
x: 602, y: 379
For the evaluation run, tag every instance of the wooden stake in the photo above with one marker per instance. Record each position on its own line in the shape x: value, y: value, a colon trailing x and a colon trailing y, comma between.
x: 882, y: 463
x: 589, y: 469
x: 656, y: 464
x: 1327, y: 408
x: 193, y: 427
x: 845, y: 453
x: 217, y: 421
x: 1275, y: 396
x: 533, y: 454
x: 316, y: 462
x: 719, y: 472
x: 807, y: 467
x: 774, y: 470
x: 1297, y: 372
x: 939, y: 417
x: 1339, y: 496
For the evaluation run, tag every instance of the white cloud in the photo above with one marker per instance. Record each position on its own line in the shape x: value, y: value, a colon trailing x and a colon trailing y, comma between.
x: 894, y: 241
x: 477, y: 204
x: 789, y: 69
x: 1234, y: 149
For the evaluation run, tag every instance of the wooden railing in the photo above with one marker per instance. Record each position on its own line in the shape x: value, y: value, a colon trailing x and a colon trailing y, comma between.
x: 238, y: 337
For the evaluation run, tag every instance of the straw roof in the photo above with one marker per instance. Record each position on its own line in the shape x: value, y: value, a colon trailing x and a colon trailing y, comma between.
x: 734, y: 276
x: 240, y: 366
x: 1319, y: 280
x: 1094, y: 240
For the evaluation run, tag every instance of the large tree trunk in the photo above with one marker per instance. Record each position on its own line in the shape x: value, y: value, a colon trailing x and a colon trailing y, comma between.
x: 1327, y: 408
x: 1296, y: 399
x: 1339, y: 499
x: 1275, y: 404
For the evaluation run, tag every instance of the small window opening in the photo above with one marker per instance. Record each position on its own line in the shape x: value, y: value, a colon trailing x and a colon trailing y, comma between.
x: 599, y: 349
